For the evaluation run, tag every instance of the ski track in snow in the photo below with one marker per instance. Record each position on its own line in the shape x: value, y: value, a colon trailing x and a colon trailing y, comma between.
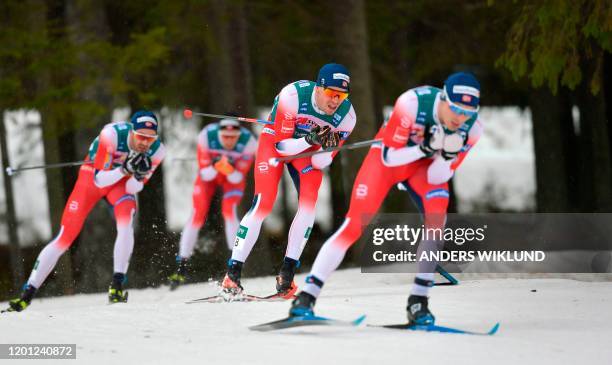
x: 564, y: 322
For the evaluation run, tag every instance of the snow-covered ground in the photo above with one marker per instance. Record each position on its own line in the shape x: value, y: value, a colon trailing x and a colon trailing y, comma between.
x: 543, y: 321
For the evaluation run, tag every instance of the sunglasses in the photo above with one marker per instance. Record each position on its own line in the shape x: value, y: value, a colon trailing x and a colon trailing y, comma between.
x: 458, y: 109
x: 333, y: 93
x: 142, y: 137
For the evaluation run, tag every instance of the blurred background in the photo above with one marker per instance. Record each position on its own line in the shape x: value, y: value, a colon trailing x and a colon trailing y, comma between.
x: 67, y: 67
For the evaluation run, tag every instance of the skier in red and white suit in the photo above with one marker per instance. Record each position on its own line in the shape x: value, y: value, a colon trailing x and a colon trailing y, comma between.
x: 307, y: 116
x: 125, y: 155
x: 225, y: 155
x: 428, y: 135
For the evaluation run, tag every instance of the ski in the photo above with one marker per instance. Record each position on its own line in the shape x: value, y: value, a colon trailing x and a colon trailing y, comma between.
x: 219, y: 298
x: 435, y: 328
x: 302, y: 321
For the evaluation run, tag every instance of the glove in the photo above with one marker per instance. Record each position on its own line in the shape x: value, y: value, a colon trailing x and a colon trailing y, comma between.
x: 131, y: 163
x: 235, y: 177
x: 317, y: 135
x: 433, y: 140
x: 143, y: 168
x: 453, y: 143
x: 331, y: 140
x: 224, y: 166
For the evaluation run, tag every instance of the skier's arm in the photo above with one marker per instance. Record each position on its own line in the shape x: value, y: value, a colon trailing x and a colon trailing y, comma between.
x: 441, y: 169
x: 243, y: 164
x: 346, y: 126
x: 397, y: 131
x: 205, y: 168
x: 284, y: 118
x: 105, y: 174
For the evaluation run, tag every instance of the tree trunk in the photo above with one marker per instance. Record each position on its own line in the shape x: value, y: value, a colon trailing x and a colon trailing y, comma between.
x: 552, y: 124
x: 594, y: 142
x: 11, y: 217
x: 352, y: 50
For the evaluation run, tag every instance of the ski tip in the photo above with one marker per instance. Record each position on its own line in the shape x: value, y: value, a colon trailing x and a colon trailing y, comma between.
x: 358, y: 321
x: 494, y: 329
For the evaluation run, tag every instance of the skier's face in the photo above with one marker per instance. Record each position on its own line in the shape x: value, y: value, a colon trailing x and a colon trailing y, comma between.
x: 229, y: 137
x: 142, y: 139
x: 328, y: 100
x: 452, y: 119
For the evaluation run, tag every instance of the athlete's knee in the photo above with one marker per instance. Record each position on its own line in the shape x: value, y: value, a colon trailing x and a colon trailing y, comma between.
x: 64, y: 239
x: 124, y: 208
x: 262, y: 205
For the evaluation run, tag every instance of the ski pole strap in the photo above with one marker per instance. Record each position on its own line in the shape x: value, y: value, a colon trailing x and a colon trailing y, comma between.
x: 423, y: 282
x: 11, y: 171
x: 351, y: 146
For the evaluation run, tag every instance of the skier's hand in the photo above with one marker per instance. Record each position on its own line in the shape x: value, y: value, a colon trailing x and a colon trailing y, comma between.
x: 453, y: 143
x: 331, y: 140
x: 131, y: 162
x: 433, y: 139
x: 317, y: 135
x: 224, y: 166
x: 143, y: 168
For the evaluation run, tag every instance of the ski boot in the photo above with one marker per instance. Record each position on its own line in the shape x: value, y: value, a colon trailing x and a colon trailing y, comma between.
x: 302, y: 305
x: 178, y: 278
x: 115, y: 290
x: 230, y: 286
x: 21, y: 303
x: 418, y: 311
x: 285, y: 286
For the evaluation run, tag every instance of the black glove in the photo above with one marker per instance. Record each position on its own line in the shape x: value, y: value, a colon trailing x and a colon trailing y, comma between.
x: 317, y: 135
x: 131, y: 162
x: 143, y: 167
x: 433, y: 139
x: 331, y: 140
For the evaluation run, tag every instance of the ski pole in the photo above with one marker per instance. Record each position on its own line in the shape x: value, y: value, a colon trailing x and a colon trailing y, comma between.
x: 188, y: 114
x: 275, y: 160
x: 11, y: 171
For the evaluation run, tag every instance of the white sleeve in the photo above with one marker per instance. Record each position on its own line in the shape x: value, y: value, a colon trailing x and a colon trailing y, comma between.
x: 208, y: 173
x: 439, y: 171
x: 251, y: 147
x: 401, y: 156
x: 321, y: 160
x: 106, y: 178
x: 292, y: 146
x: 133, y: 186
x: 235, y: 177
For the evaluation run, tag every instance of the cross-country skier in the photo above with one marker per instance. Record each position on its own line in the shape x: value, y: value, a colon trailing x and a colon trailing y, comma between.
x: 307, y: 116
x: 426, y: 138
x: 124, y: 157
x: 225, y: 154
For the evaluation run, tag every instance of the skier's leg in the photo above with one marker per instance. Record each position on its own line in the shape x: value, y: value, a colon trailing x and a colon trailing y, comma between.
x: 371, y: 186
x: 82, y: 199
x: 232, y: 194
x: 266, y: 185
x: 267, y: 177
x: 432, y: 200
x: 203, y: 192
x: 307, y: 182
